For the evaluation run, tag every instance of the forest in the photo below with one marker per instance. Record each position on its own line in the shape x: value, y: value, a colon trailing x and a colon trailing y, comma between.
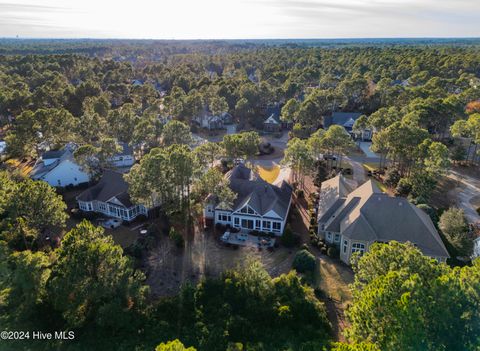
x: 421, y: 97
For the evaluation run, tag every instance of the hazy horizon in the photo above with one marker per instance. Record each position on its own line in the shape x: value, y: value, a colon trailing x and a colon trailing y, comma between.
x: 240, y: 19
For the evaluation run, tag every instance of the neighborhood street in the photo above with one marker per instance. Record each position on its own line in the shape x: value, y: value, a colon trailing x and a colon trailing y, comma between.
x: 468, y: 190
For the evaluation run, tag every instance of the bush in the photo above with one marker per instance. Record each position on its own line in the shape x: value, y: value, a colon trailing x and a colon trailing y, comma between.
x: 332, y: 252
x: 304, y: 261
x: 289, y: 238
x: 392, y: 177
x: 323, y: 250
x: 177, y: 238
x: 404, y: 187
x: 299, y: 193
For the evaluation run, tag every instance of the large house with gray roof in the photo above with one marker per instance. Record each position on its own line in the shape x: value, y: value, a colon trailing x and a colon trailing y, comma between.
x: 354, y: 219
x: 259, y: 205
x: 110, y: 198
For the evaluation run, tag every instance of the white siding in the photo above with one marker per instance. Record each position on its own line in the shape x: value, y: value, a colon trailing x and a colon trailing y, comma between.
x: 65, y: 174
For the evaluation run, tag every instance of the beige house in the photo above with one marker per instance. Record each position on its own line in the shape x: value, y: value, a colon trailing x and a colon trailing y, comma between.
x: 355, y: 219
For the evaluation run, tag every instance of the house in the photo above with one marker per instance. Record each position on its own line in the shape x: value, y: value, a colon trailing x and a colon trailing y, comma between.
x: 212, y: 122
x: 354, y: 219
x: 58, y: 168
x: 272, y: 124
x: 3, y: 147
x: 124, y: 158
x: 476, y: 248
x: 346, y: 120
x: 110, y: 197
x: 259, y: 205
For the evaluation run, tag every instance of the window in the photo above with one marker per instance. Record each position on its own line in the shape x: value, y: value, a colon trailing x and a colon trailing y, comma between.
x: 345, y: 245
x: 236, y: 221
x: 247, y: 223
x: 224, y: 217
x: 247, y: 209
x: 267, y: 225
x: 257, y: 224
x: 329, y: 236
x: 357, y: 247
x: 337, y: 238
x: 277, y: 226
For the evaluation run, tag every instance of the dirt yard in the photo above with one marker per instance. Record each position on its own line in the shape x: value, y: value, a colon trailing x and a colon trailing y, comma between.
x: 168, y: 267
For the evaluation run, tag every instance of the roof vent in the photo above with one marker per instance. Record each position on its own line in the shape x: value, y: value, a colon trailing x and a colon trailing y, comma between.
x: 400, y: 204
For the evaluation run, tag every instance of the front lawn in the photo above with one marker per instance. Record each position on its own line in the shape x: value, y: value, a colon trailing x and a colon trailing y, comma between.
x: 269, y: 174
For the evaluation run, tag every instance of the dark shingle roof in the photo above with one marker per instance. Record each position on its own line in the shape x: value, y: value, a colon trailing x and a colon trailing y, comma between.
x: 48, y: 155
x: 111, y: 185
x: 340, y: 118
x: 260, y: 195
x: 370, y: 215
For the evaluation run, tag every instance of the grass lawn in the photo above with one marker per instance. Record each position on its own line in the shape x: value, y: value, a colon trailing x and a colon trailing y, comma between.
x: 24, y: 167
x: 269, y: 174
x: 380, y: 185
x: 370, y: 166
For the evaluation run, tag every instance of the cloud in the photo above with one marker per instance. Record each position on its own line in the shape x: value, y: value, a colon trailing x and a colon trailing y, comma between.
x: 240, y: 18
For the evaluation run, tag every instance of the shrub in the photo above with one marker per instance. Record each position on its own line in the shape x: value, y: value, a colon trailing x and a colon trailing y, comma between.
x: 404, y: 187
x: 299, y: 193
x: 332, y: 252
x: 304, y: 261
x: 177, y: 238
x: 289, y: 238
x: 392, y: 177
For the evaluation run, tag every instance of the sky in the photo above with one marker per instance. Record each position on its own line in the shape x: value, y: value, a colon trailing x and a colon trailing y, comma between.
x: 239, y: 19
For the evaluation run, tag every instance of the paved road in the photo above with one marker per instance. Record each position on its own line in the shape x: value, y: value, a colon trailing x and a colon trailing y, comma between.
x: 469, y: 188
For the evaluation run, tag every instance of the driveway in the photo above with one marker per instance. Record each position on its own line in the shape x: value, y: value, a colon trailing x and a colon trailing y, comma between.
x: 358, y: 170
x: 365, y: 147
x: 468, y: 191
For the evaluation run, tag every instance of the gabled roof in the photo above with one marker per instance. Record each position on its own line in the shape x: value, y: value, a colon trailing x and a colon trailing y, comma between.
x: 344, y: 119
x: 332, y: 194
x: 271, y: 120
x: 111, y: 186
x: 370, y: 215
x: 58, y: 156
x: 255, y: 192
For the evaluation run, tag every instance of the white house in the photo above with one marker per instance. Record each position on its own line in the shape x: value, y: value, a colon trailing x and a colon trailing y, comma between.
x: 476, y: 248
x: 355, y: 219
x: 124, y: 158
x: 58, y: 168
x: 110, y: 197
x: 259, y: 205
